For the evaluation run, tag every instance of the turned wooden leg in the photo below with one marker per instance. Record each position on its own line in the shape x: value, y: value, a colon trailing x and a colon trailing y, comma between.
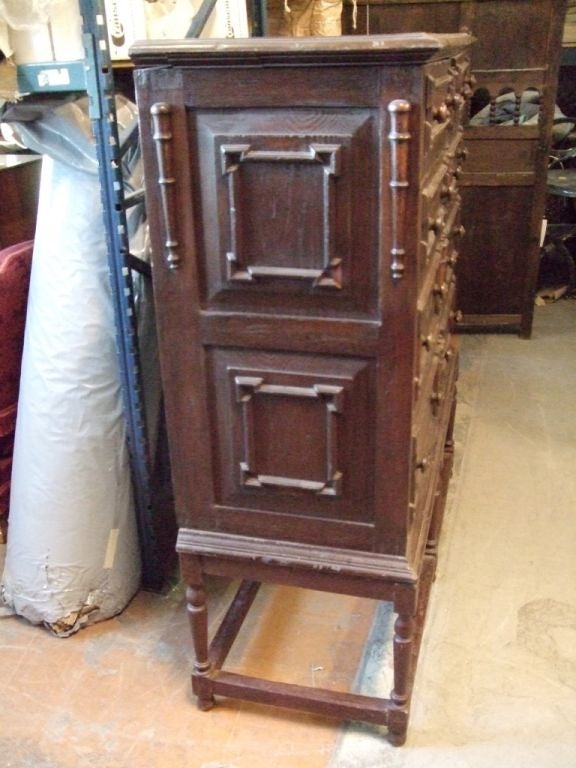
x: 397, y: 727
x: 403, y: 639
x: 198, y: 616
x: 403, y: 651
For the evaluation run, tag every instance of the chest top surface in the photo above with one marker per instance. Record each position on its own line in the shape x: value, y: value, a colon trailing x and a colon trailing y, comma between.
x: 410, y: 47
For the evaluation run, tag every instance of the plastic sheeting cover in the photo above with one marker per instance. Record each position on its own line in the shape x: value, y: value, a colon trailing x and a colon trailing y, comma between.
x: 72, y: 555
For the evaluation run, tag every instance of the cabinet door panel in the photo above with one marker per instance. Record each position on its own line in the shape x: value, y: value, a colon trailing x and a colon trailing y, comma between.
x: 286, y: 209
x: 293, y: 431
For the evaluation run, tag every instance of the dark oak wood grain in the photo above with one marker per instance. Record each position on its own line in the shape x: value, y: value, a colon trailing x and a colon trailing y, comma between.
x: 306, y: 336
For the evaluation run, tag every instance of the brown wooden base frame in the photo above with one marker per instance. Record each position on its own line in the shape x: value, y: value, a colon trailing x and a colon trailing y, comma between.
x: 209, y: 679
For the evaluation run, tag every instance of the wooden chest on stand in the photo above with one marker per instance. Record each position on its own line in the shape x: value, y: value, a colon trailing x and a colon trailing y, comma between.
x: 305, y: 215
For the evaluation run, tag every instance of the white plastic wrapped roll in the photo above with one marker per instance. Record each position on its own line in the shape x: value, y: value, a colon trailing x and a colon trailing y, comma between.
x: 72, y: 554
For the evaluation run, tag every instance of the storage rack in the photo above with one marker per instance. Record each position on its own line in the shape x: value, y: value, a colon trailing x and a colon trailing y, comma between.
x: 100, y: 88
x: 94, y: 75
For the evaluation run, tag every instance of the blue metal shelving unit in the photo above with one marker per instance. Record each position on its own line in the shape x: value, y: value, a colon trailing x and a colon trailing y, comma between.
x: 100, y: 88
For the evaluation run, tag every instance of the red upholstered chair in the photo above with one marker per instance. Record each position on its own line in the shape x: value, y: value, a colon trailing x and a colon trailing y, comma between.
x: 15, y: 263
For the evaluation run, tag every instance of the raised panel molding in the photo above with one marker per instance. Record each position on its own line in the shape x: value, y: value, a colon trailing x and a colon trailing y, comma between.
x: 329, y: 396
x: 329, y: 156
x: 279, y: 211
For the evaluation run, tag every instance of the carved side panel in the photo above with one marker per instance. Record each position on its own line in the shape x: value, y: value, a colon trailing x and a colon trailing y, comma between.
x: 294, y: 433
x: 288, y: 208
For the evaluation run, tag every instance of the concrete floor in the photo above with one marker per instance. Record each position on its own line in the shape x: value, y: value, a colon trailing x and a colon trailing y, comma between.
x: 496, y: 683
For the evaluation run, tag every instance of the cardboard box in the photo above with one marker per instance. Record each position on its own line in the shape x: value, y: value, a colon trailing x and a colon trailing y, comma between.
x: 126, y: 21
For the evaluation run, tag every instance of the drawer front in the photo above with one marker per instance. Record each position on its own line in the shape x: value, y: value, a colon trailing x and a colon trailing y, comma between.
x: 435, y: 309
x: 429, y: 432
x: 440, y: 204
x: 448, y: 85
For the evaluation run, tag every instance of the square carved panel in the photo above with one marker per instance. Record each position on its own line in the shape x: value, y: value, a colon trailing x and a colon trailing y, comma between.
x: 265, y: 243
x: 287, y: 207
x: 289, y: 434
x: 291, y: 426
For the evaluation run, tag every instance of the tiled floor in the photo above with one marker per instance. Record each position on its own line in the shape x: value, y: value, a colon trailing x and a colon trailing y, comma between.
x: 496, y: 684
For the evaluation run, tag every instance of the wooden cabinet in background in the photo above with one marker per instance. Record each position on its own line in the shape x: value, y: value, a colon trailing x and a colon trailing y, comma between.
x: 305, y: 218
x: 518, y: 46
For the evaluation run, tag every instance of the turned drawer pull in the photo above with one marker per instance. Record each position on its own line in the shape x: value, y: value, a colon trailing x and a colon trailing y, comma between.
x: 441, y: 113
x: 399, y: 137
x: 423, y: 464
x: 427, y: 341
x: 162, y: 125
x: 436, y: 224
x: 455, y: 100
x: 462, y: 153
x: 448, y: 190
x: 440, y: 290
x: 436, y: 399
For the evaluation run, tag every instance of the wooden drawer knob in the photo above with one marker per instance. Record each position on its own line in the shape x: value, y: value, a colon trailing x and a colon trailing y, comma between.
x: 456, y: 316
x: 455, y: 100
x: 441, y: 113
x: 439, y: 292
x: 436, y: 224
x: 436, y: 399
x: 427, y: 341
x: 449, y: 191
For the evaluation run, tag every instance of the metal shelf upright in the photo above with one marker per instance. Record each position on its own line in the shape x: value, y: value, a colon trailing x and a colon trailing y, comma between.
x: 101, y: 93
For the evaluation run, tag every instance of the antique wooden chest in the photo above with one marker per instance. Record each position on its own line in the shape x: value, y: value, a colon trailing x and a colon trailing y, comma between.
x: 305, y: 217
